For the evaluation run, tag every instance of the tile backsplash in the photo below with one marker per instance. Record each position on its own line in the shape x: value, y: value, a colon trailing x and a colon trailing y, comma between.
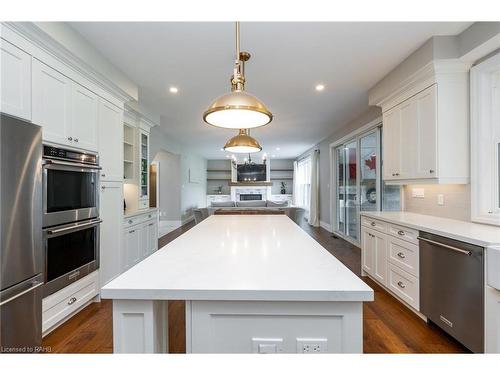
x: 455, y: 199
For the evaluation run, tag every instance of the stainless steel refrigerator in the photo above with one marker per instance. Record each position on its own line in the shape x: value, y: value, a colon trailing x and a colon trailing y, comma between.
x: 21, y: 256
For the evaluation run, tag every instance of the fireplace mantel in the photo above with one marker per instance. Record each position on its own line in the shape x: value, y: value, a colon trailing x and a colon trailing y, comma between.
x: 251, y: 183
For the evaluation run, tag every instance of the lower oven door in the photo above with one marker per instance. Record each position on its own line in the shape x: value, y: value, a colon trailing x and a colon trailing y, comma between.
x: 71, y: 252
x: 70, y: 192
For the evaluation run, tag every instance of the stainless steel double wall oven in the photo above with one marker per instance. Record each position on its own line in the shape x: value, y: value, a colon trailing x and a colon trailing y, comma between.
x: 70, y: 206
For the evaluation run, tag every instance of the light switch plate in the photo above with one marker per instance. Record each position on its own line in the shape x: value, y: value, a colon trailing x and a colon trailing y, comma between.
x: 267, y: 345
x: 418, y: 192
x: 440, y: 199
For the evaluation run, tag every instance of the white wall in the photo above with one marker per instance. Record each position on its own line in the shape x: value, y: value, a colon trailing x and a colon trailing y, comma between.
x: 192, y: 195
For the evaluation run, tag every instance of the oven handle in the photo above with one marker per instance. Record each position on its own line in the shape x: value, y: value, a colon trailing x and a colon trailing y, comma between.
x: 75, y: 227
x: 71, y: 164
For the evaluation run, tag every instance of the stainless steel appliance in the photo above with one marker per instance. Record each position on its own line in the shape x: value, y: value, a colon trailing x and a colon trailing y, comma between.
x: 71, y: 252
x: 452, y: 288
x: 70, y: 216
x: 21, y: 252
x: 70, y: 186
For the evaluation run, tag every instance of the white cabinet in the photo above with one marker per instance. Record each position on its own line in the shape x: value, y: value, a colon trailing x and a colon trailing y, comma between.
x: 426, y: 126
x: 131, y: 247
x: 110, y: 141
x: 143, y: 169
x: 140, y: 237
x: 66, y: 110
x: 84, y: 120
x: 410, y: 138
x: 111, y: 229
x: 390, y: 256
x: 51, y: 103
x: 15, y: 77
x: 374, y: 254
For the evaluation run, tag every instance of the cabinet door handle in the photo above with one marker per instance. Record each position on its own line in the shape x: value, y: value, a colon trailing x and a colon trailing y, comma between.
x: 103, y: 174
x: 130, y: 221
x: 131, y: 231
x: 401, y: 285
x: 72, y: 300
x: 373, y: 223
x: 151, y: 224
x: 401, y: 232
x: 103, y: 187
x: 76, y: 139
x: 431, y: 171
x: 401, y: 255
x: 396, y: 174
x: 70, y: 138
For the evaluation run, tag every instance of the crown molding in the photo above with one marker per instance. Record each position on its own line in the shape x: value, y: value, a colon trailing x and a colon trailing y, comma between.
x: 47, y: 44
x: 429, y: 74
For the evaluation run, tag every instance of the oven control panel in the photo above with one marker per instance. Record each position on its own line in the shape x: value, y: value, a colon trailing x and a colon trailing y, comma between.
x: 51, y: 152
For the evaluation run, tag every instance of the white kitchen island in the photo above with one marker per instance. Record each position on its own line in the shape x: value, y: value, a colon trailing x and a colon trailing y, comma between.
x: 251, y: 284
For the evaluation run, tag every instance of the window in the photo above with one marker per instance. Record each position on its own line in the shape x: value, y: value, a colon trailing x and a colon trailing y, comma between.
x: 303, y: 184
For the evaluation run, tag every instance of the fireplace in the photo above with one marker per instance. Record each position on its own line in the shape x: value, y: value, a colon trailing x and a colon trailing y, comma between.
x: 250, y: 197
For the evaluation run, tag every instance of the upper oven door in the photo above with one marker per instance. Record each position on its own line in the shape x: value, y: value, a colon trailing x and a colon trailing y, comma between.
x: 70, y: 192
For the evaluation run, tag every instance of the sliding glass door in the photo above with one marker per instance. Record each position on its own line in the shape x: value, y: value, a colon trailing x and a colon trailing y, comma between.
x: 357, y: 182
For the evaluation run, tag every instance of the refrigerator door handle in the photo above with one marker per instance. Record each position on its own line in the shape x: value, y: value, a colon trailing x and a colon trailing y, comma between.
x: 36, y: 284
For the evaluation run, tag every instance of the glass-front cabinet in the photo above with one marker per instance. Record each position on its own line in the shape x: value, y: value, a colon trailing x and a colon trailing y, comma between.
x: 144, y: 169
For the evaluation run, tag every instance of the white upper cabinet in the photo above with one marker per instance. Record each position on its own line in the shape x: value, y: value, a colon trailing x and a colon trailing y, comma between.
x: 66, y: 110
x: 51, y: 103
x: 110, y: 141
x: 426, y: 127
x: 84, y: 105
x: 15, y: 78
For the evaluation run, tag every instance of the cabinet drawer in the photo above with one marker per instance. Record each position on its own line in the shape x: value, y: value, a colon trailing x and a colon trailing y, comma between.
x: 63, y: 303
x: 373, y: 223
x: 138, y: 219
x: 404, y: 233
x: 404, y: 255
x: 404, y: 285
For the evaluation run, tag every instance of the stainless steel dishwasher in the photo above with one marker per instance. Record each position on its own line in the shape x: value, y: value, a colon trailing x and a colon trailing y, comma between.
x: 452, y: 288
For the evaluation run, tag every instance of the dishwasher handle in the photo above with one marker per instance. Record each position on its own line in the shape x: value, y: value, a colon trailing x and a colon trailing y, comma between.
x: 465, y: 252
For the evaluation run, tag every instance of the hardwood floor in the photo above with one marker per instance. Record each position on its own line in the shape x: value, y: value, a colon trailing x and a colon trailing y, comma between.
x: 388, y: 326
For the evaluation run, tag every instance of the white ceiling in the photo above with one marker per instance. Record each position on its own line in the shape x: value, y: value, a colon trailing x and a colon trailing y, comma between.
x: 288, y: 60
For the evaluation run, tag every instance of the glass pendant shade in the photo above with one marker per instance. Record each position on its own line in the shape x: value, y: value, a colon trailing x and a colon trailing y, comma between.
x: 236, y: 110
x: 242, y: 144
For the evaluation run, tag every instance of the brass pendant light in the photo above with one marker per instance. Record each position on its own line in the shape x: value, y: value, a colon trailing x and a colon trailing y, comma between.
x: 242, y: 143
x: 238, y: 109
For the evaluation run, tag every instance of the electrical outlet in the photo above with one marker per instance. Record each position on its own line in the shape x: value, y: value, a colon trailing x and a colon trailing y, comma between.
x: 418, y: 193
x: 312, y: 346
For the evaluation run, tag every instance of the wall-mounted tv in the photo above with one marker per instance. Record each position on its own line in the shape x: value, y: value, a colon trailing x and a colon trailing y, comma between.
x: 251, y: 172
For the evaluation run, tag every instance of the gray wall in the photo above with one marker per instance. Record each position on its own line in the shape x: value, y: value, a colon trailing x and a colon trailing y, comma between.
x: 192, y: 194
x: 170, y: 187
x: 324, y: 158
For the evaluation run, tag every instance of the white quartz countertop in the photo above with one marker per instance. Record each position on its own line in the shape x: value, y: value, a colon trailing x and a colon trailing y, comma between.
x: 477, y: 234
x: 130, y: 213
x: 240, y: 257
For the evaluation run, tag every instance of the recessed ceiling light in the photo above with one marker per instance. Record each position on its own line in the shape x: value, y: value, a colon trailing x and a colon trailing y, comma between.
x: 173, y: 90
x: 222, y: 149
x: 277, y: 148
x: 320, y: 87
x: 273, y: 156
x: 227, y: 156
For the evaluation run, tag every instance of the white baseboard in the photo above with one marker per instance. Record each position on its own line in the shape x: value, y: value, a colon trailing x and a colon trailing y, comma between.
x: 188, y: 220
x: 325, y: 226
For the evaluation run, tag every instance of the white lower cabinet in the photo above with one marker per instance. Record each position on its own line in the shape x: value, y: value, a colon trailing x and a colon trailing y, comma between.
x: 111, y: 208
x: 375, y: 255
x: 390, y: 256
x: 60, y: 306
x: 140, y: 238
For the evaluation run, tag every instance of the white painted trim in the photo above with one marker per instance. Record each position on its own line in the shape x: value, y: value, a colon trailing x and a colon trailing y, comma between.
x: 325, y: 226
x: 431, y: 73
x: 482, y: 50
x: 187, y: 220
x: 33, y: 40
x: 364, y: 129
